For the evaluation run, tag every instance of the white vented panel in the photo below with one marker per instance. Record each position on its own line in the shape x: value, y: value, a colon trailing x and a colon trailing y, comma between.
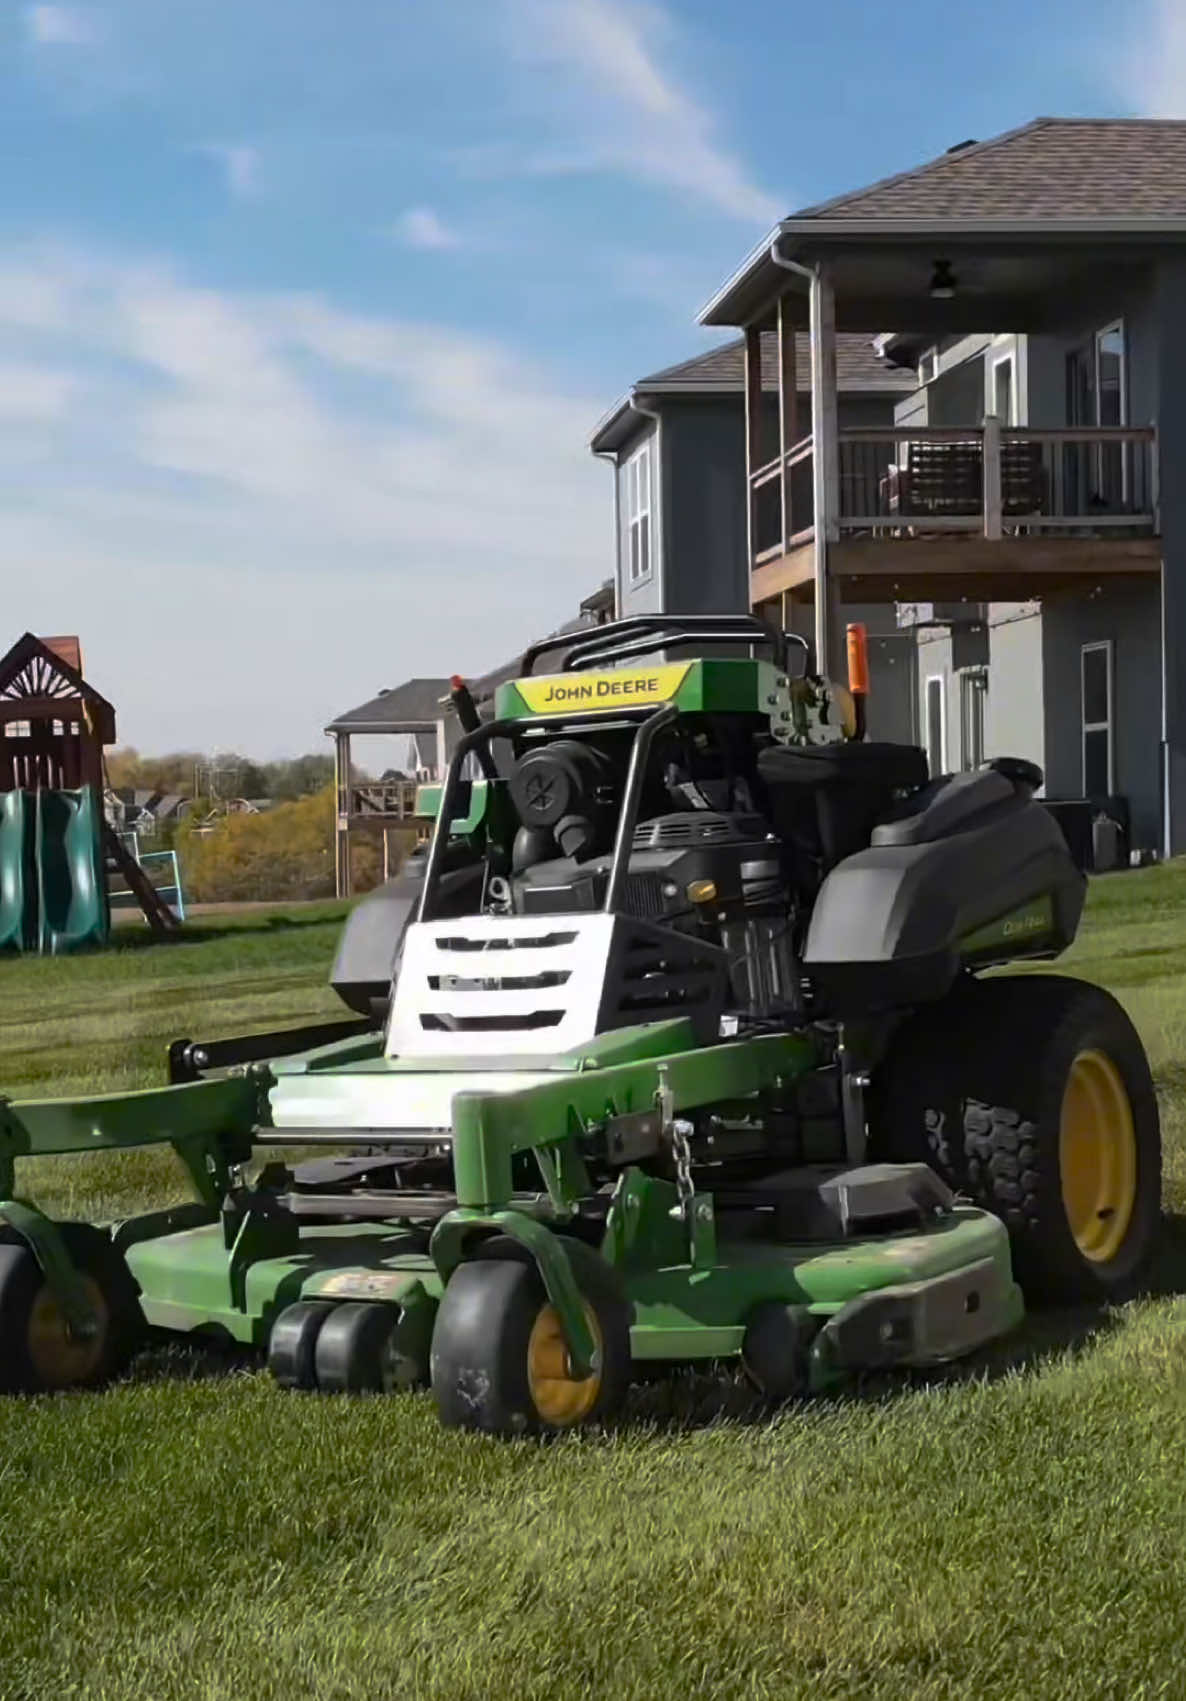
x: 499, y: 986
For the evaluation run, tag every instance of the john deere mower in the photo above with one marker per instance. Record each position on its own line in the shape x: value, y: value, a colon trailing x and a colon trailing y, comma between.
x: 677, y: 1043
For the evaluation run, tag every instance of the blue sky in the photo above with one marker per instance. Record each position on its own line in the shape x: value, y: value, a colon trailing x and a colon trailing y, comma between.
x: 307, y: 307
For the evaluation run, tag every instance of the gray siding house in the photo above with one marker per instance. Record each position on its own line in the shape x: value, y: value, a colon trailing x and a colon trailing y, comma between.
x: 677, y: 446
x: 1022, y: 516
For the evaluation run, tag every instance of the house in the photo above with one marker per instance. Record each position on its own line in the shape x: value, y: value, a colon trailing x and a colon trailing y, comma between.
x: 1016, y: 503
x: 677, y: 444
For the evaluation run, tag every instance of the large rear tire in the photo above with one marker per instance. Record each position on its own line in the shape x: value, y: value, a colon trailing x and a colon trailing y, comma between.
x: 1031, y: 1094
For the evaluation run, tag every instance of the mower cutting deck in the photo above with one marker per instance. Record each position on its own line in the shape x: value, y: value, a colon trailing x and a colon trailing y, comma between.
x: 672, y: 1047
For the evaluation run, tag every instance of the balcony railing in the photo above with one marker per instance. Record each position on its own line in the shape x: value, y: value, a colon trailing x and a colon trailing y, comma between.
x: 987, y: 480
x: 390, y: 799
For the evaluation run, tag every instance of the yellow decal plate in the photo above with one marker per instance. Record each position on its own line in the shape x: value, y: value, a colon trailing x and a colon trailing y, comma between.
x: 617, y: 688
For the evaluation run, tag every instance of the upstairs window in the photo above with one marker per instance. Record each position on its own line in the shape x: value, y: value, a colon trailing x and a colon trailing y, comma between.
x: 638, y: 514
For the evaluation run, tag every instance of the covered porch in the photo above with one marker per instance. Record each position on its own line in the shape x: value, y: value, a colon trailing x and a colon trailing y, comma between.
x: 990, y: 511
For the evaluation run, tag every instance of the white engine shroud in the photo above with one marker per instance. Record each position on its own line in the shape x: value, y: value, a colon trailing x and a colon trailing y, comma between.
x: 498, y: 986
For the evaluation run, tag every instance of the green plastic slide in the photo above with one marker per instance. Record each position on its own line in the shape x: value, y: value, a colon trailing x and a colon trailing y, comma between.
x: 53, y: 876
x: 18, y: 914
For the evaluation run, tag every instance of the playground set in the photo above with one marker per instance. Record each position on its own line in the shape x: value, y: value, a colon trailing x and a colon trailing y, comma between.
x: 59, y: 855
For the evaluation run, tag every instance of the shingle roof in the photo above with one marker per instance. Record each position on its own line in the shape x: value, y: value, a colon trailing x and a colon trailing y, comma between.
x: 857, y: 367
x: 1053, y: 168
x: 415, y: 702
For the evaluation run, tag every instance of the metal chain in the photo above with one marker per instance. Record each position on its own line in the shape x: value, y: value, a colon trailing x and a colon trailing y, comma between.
x: 682, y: 1147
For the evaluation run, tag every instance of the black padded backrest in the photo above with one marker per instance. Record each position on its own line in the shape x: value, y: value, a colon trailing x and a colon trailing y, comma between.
x: 825, y: 798
x: 949, y: 805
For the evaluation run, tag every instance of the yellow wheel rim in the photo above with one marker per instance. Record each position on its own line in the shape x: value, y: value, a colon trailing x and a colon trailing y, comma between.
x: 1097, y: 1156
x: 60, y: 1359
x: 560, y: 1398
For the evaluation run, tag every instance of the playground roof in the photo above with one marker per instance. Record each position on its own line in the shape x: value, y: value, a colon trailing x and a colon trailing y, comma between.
x: 39, y: 682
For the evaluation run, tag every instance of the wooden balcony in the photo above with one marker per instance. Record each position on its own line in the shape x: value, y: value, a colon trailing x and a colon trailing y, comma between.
x: 375, y: 801
x: 983, y: 513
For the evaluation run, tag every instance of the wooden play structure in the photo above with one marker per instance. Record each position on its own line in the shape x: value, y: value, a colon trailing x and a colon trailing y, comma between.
x: 57, y: 849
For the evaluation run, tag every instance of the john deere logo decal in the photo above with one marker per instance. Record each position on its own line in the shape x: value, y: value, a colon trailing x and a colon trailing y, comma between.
x: 621, y: 688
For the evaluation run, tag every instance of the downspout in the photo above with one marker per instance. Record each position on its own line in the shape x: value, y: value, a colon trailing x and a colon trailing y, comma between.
x: 658, y: 486
x: 611, y: 455
x: 823, y: 646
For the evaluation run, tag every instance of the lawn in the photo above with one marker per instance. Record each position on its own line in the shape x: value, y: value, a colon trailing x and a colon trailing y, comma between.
x: 1017, y: 1529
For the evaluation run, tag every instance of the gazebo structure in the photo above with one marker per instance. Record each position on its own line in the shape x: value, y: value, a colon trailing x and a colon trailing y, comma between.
x: 416, y: 710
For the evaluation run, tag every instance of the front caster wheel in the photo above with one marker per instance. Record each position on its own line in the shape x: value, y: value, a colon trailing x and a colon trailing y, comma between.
x: 499, y: 1359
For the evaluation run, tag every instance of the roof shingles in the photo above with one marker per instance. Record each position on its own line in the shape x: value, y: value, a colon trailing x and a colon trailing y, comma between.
x: 857, y: 367
x: 1053, y: 168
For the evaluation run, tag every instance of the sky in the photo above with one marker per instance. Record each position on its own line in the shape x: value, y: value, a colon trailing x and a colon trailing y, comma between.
x: 308, y: 307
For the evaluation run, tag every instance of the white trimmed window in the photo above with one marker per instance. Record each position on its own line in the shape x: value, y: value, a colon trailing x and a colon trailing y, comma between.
x: 973, y: 700
x: 639, y: 529
x: 1096, y: 694
x: 935, y: 705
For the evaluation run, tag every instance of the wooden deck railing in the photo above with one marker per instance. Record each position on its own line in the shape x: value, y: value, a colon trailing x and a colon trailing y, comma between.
x: 991, y: 481
x: 392, y: 799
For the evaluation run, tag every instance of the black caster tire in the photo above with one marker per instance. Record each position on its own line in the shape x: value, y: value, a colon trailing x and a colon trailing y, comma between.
x: 38, y: 1353
x: 1032, y: 1096
x: 352, y: 1352
x: 499, y: 1363
x: 293, y: 1342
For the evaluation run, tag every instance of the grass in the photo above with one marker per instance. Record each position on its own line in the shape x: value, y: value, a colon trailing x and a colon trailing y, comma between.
x: 1017, y: 1528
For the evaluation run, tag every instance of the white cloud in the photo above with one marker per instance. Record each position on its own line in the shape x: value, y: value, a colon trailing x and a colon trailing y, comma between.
x: 283, y: 505
x: 1151, y: 72
x: 32, y: 394
x: 240, y: 165
x: 421, y: 227
x: 62, y: 26
x: 607, y: 60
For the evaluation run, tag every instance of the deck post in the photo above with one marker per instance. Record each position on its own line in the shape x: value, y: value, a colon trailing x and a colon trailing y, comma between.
x: 753, y: 431
x: 991, y: 475
x: 788, y: 410
x: 342, y: 814
x: 825, y: 464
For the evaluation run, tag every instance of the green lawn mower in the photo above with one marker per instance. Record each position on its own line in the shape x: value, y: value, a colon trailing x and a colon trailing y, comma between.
x: 673, y: 1046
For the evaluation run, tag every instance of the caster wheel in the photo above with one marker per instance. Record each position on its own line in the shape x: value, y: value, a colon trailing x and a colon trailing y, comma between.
x: 352, y: 1352
x: 293, y: 1341
x: 38, y: 1352
x: 499, y: 1361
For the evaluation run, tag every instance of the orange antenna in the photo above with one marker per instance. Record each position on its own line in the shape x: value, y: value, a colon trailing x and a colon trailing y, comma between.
x: 858, y: 660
